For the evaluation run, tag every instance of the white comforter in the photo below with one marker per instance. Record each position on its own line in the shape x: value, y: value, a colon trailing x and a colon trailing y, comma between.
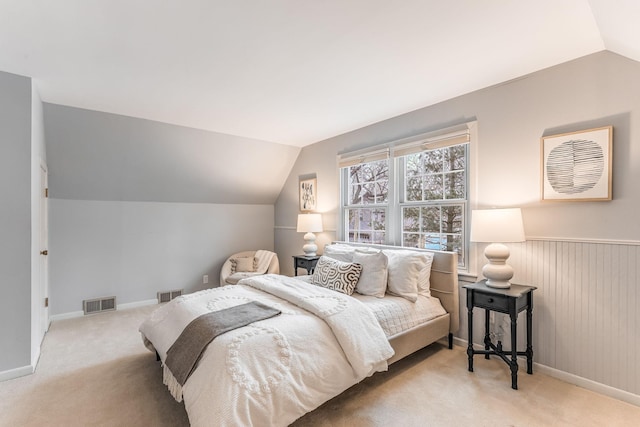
x: 274, y: 371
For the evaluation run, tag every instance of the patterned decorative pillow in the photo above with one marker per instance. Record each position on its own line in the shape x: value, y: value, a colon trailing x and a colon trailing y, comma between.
x: 336, y: 275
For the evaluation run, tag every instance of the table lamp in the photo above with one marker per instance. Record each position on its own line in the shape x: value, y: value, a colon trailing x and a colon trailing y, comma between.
x: 309, y: 224
x: 497, y: 226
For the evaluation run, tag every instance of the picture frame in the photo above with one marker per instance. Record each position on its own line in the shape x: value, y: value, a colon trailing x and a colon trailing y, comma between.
x: 577, y: 166
x: 308, y: 190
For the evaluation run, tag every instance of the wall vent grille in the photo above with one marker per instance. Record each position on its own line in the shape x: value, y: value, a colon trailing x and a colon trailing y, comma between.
x: 98, y: 305
x: 168, y: 295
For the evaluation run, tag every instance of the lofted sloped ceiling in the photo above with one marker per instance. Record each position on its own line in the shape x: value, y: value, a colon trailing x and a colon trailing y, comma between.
x: 294, y: 71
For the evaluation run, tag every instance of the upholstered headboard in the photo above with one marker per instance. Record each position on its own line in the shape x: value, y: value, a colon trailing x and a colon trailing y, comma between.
x: 444, y: 279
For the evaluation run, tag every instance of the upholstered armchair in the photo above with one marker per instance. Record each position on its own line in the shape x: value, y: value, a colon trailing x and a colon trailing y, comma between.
x: 247, y: 264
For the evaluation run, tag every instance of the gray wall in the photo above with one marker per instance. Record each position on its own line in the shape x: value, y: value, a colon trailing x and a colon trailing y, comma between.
x: 139, y: 206
x: 134, y: 249
x: 15, y: 221
x: 101, y: 156
x: 597, y: 90
x: 38, y: 157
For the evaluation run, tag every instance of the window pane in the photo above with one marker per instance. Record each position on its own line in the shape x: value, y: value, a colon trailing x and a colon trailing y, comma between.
x: 368, y: 193
x: 382, y: 190
x: 432, y: 161
x: 355, y: 194
x: 453, y: 243
x: 368, y: 183
x: 413, y: 165
x: 378, y: 238
x: 366, y: 225
x: 411, y: 218
x: 433, y: 189
x: 452, y: 219
x: 455, y: 185
x: 455, y: 158
x: 411, y: 240
x: 431, y: 219
x: 378, y: 219
x: 414, y: 189
x: 433, y: 242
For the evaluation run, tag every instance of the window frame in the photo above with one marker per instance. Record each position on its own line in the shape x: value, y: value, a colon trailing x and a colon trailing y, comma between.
x: 396, y: 150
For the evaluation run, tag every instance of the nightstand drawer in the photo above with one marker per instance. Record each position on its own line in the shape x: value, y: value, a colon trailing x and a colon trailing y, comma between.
x: 305, y: 261
x: 492, y: 302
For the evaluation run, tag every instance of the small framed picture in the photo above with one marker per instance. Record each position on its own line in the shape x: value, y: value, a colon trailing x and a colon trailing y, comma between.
x: 308, y: 194
x: 576, y: 166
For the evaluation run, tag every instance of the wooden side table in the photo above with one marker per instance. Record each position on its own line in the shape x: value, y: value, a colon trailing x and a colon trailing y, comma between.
x: 306, y: 262
x: 510, y: 301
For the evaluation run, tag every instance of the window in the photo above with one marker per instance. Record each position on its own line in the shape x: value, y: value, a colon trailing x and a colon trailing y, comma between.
x: 367, y: 201
x: 424, y: 204
x: 435, y: 195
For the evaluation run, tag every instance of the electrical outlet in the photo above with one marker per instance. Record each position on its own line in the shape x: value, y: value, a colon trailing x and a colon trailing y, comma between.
x: 205, y: 278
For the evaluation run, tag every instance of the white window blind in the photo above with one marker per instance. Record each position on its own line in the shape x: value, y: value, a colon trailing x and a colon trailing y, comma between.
x: 352, y: 159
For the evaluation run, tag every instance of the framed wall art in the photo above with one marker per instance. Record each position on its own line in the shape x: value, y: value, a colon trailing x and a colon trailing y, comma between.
x: 308, y: 189
x: 576, y: 166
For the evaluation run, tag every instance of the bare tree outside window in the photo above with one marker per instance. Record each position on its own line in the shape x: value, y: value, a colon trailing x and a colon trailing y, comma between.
x: 435, y: 191
x: 367, y: 201
x: 432, y: 200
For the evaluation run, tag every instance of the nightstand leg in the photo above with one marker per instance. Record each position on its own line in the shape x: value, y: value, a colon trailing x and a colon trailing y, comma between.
x: 529, y: 350
x: 470, y: 346
x: 514, y: 351
x: 487, y: 333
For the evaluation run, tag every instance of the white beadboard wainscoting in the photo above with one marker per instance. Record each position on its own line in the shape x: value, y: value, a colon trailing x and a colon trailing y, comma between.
x: 586, y: 320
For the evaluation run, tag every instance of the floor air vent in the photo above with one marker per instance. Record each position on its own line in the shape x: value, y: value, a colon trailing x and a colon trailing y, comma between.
x: 169, y: 295
x: 99, y: 305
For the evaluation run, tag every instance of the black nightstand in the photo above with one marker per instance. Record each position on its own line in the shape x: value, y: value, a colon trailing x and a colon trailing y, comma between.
x: 510, y: 301
x: 306, y: 262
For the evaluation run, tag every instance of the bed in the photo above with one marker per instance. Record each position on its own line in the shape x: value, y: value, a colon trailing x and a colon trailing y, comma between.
x: 319, y: 342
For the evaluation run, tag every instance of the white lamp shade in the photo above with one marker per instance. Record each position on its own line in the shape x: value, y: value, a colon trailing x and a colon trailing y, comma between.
x: 309, y: 223
x: 497, y: 225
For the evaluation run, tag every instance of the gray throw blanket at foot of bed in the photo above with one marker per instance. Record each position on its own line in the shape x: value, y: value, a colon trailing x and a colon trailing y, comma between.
x: 185, y: 352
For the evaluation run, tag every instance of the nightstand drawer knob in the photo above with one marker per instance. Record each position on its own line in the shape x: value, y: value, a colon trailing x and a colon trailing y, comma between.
x: 490, y: 300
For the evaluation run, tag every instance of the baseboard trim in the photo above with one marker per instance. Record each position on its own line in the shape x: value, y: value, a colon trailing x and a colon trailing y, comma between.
x: 137, y: 304
x: 576, y: 380
x: 125, y: 306
x: 69, y: 315
x: 16, y: 373
x: 591, y: 385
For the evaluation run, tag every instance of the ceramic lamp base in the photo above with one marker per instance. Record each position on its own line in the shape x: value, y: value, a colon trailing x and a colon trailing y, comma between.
x: 310, y: 246
x: 497, y: 272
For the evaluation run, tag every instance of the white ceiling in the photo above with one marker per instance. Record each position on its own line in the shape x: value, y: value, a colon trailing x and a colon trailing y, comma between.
x: 294, y: 71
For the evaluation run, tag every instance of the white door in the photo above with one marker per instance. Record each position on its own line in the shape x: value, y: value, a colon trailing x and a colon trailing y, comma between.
x: 44, y: 250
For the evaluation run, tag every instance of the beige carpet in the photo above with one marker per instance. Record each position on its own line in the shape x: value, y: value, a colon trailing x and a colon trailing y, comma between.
x: 94, y: 371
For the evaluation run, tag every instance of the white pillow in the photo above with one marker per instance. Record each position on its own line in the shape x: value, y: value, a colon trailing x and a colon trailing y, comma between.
x: 342, y: 253
x: 404, y: 270
x: 424, y: 278
x: 373, y: 278
x: 336, y: 275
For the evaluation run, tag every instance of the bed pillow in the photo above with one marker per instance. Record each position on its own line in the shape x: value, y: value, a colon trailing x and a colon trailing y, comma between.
x: 340, y: 252
x: 404, y: 270
x: 424, y: 278
x: 373, y: 278
x: 243, y: 264
x: 336, y: 275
